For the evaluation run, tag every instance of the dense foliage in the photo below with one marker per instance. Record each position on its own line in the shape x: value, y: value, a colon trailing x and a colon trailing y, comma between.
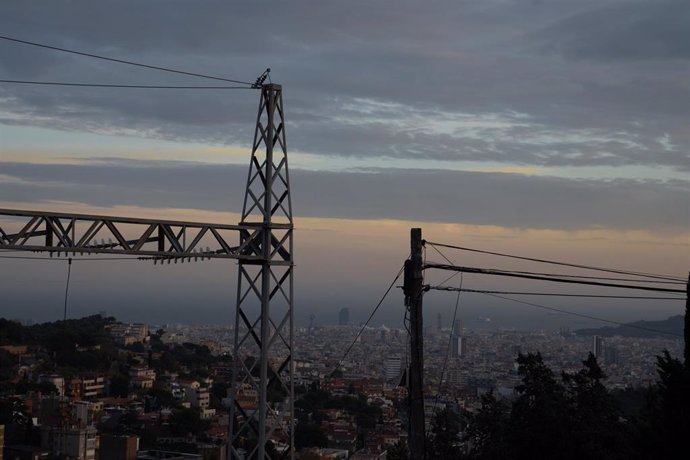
x: 574, y: 416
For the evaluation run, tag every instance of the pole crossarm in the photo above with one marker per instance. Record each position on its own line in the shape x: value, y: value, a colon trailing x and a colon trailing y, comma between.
x: 164, y: 239
x: 485, y: 271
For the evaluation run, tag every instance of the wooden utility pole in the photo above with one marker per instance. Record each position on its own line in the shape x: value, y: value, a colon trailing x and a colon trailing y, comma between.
x: 413, y: 300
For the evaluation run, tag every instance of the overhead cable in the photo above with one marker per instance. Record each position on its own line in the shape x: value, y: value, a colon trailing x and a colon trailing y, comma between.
x: 106, y: 85
x: 553, y: 294
x: 582, y: 315
x: 565, y: 264
x: 448, y: 348
x: 368, y: 320
x: 123, y: 61
x: 484, y: 271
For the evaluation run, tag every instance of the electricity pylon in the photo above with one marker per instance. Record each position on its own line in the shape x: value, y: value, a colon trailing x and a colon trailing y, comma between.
x: 265, y: 287
x: 261, y: 414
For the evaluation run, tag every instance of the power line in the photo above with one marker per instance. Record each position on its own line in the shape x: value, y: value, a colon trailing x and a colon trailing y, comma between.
x: 582, y: 315
x: 448, y: 347
x: 440, y: 253
x: 593, y: 296
x: 565, y: 264
x: 368, y: 319
x: 100, y: 85
x: 601, y: 278
x: 122, y: 61
x: 561, y: 275
x: 484, y: 271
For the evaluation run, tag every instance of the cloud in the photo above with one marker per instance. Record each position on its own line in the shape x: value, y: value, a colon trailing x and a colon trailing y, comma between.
x: 549, y: 83
x: 481, y: 198
x: 635, y: 30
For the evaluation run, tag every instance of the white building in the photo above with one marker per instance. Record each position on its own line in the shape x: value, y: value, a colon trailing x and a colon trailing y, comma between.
x: 392, y: 368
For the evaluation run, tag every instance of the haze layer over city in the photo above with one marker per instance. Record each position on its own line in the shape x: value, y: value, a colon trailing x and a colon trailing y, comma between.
x: 522, y: 127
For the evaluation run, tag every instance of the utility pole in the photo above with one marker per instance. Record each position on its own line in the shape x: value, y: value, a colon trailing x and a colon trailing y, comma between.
x: 414, y: 292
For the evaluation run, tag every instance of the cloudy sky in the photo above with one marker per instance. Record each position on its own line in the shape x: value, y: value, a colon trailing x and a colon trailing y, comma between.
x: 548, y: 128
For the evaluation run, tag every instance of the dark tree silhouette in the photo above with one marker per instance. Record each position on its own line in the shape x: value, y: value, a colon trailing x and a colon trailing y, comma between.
x: 663, y: 427
x: 488, y: 429
x: 595, y: 429
x: 309, y: 435
x: 445, y: 428
x: 573, y: 417
x: 398, y: 451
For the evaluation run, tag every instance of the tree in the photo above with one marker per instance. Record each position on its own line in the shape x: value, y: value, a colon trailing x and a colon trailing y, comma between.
x: 662, y: 428
x: 488, y: 428
x: 23, y: 387
x: 538, y: 426
x: 398, y: 451
x: 596, y: 430
x: 119, y: 385
x: 445, y: 428
x: 309, y: 435
x: 161, y: 397
x: 572, y: 417
x: 185, y: 421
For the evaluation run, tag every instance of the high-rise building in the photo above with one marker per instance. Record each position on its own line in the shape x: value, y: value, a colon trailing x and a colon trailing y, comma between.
x: 392, y: 367
x: 459, y: 346
x: 598, y: 347
x: 458, y: 342
x: 611, y: 355
x: 344, y: 316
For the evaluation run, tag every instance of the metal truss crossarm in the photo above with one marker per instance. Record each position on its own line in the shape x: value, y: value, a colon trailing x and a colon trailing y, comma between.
x: 87, y: 234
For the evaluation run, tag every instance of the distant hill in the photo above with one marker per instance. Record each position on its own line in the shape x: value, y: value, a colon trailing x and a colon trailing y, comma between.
x: 671, y: 325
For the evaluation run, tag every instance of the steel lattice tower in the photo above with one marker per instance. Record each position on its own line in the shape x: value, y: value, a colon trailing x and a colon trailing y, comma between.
x: 264, y: 318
